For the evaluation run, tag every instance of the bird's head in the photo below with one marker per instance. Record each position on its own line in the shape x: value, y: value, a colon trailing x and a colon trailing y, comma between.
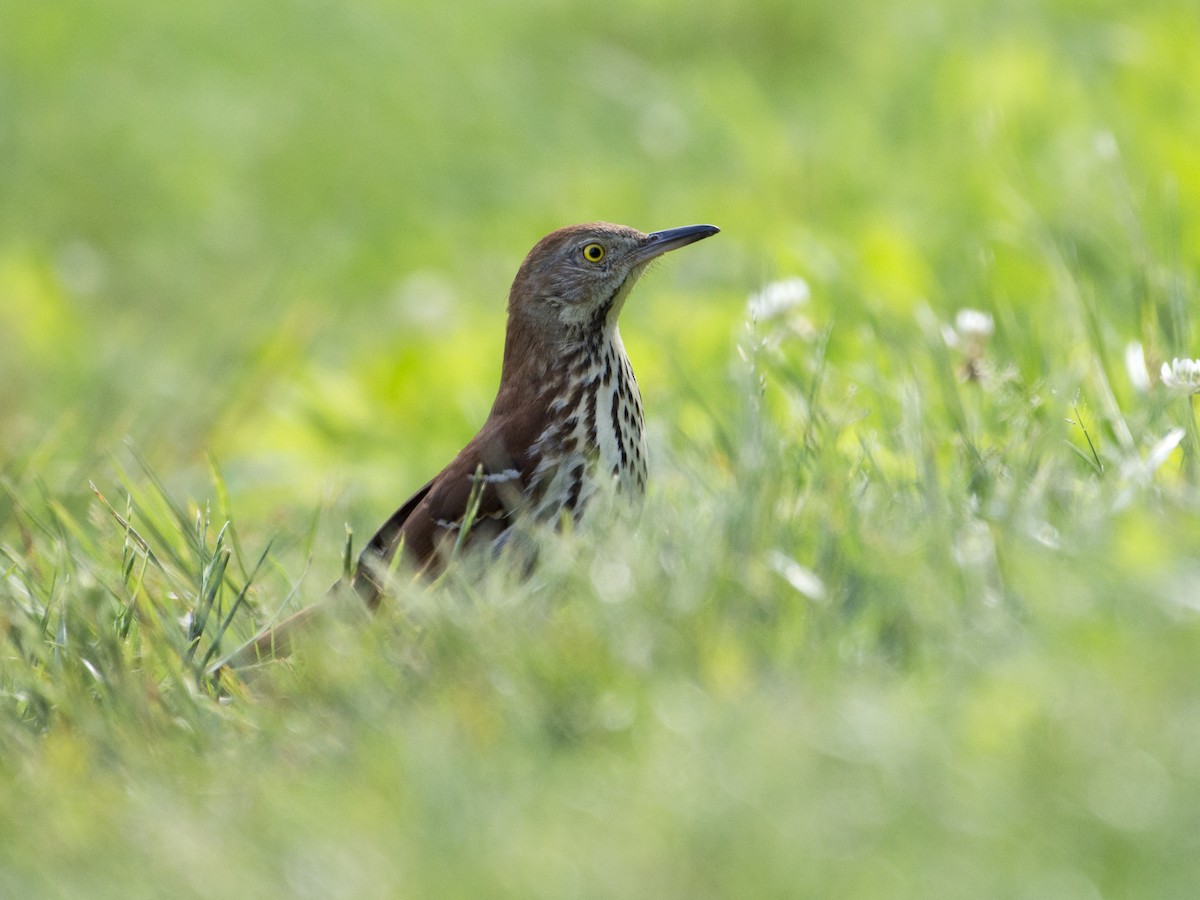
x: 575, y: 280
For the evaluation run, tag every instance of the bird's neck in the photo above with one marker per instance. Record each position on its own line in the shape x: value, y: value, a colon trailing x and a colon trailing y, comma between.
x: 537, y: 365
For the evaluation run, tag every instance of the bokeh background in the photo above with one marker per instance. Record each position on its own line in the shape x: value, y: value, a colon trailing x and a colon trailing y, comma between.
x: 287, y: 232
x: 905, y: 619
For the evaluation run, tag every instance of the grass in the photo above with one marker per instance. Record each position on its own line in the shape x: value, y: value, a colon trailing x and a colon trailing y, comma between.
x: 903, y: 615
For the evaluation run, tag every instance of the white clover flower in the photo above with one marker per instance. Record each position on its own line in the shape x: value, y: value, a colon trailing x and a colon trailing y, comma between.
x: 777, y: 298
x: 971, y: 331
x: 1182, y: 375
x: 973, y: 324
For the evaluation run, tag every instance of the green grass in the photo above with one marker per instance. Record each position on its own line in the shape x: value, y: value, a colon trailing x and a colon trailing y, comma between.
x: 899, y: 619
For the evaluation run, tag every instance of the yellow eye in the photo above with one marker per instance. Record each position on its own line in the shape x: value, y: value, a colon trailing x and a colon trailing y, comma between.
x: 593, y: 253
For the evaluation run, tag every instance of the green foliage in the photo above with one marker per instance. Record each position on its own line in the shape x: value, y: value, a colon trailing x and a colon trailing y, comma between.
x: 911, y: 609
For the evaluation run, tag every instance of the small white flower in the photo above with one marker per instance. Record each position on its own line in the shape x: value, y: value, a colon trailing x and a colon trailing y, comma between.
x: 971, y: 331
x: 1182, y: 375
x: 973, y: 324
x: 969, y: 335
x: 777, y: 298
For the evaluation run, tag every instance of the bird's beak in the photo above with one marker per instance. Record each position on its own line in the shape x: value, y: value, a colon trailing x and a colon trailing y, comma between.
x: 660, y: 242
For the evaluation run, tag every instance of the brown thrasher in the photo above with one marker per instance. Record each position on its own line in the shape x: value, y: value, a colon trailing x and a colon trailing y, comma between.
x: 566, y: 420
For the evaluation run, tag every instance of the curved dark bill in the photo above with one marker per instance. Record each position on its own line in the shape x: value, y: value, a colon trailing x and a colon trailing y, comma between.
x: 660, y: 242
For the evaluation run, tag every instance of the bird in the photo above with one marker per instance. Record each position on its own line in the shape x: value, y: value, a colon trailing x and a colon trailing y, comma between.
x: 567, y: 419
x: 566, y: 423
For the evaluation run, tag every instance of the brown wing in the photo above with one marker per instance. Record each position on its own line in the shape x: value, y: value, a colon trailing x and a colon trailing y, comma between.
x: 428, y: 523
x: 389, y: 532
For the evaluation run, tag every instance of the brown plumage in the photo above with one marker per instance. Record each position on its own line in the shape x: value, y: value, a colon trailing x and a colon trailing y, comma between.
x: 567, y: 418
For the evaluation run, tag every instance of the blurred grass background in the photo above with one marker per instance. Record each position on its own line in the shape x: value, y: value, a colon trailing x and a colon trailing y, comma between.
x: 885, y: 629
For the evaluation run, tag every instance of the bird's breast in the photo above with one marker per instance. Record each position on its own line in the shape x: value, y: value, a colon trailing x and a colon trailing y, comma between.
x: 594, y: 437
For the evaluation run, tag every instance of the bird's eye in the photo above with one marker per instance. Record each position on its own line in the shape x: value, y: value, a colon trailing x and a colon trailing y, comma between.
x: 593, y: 253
